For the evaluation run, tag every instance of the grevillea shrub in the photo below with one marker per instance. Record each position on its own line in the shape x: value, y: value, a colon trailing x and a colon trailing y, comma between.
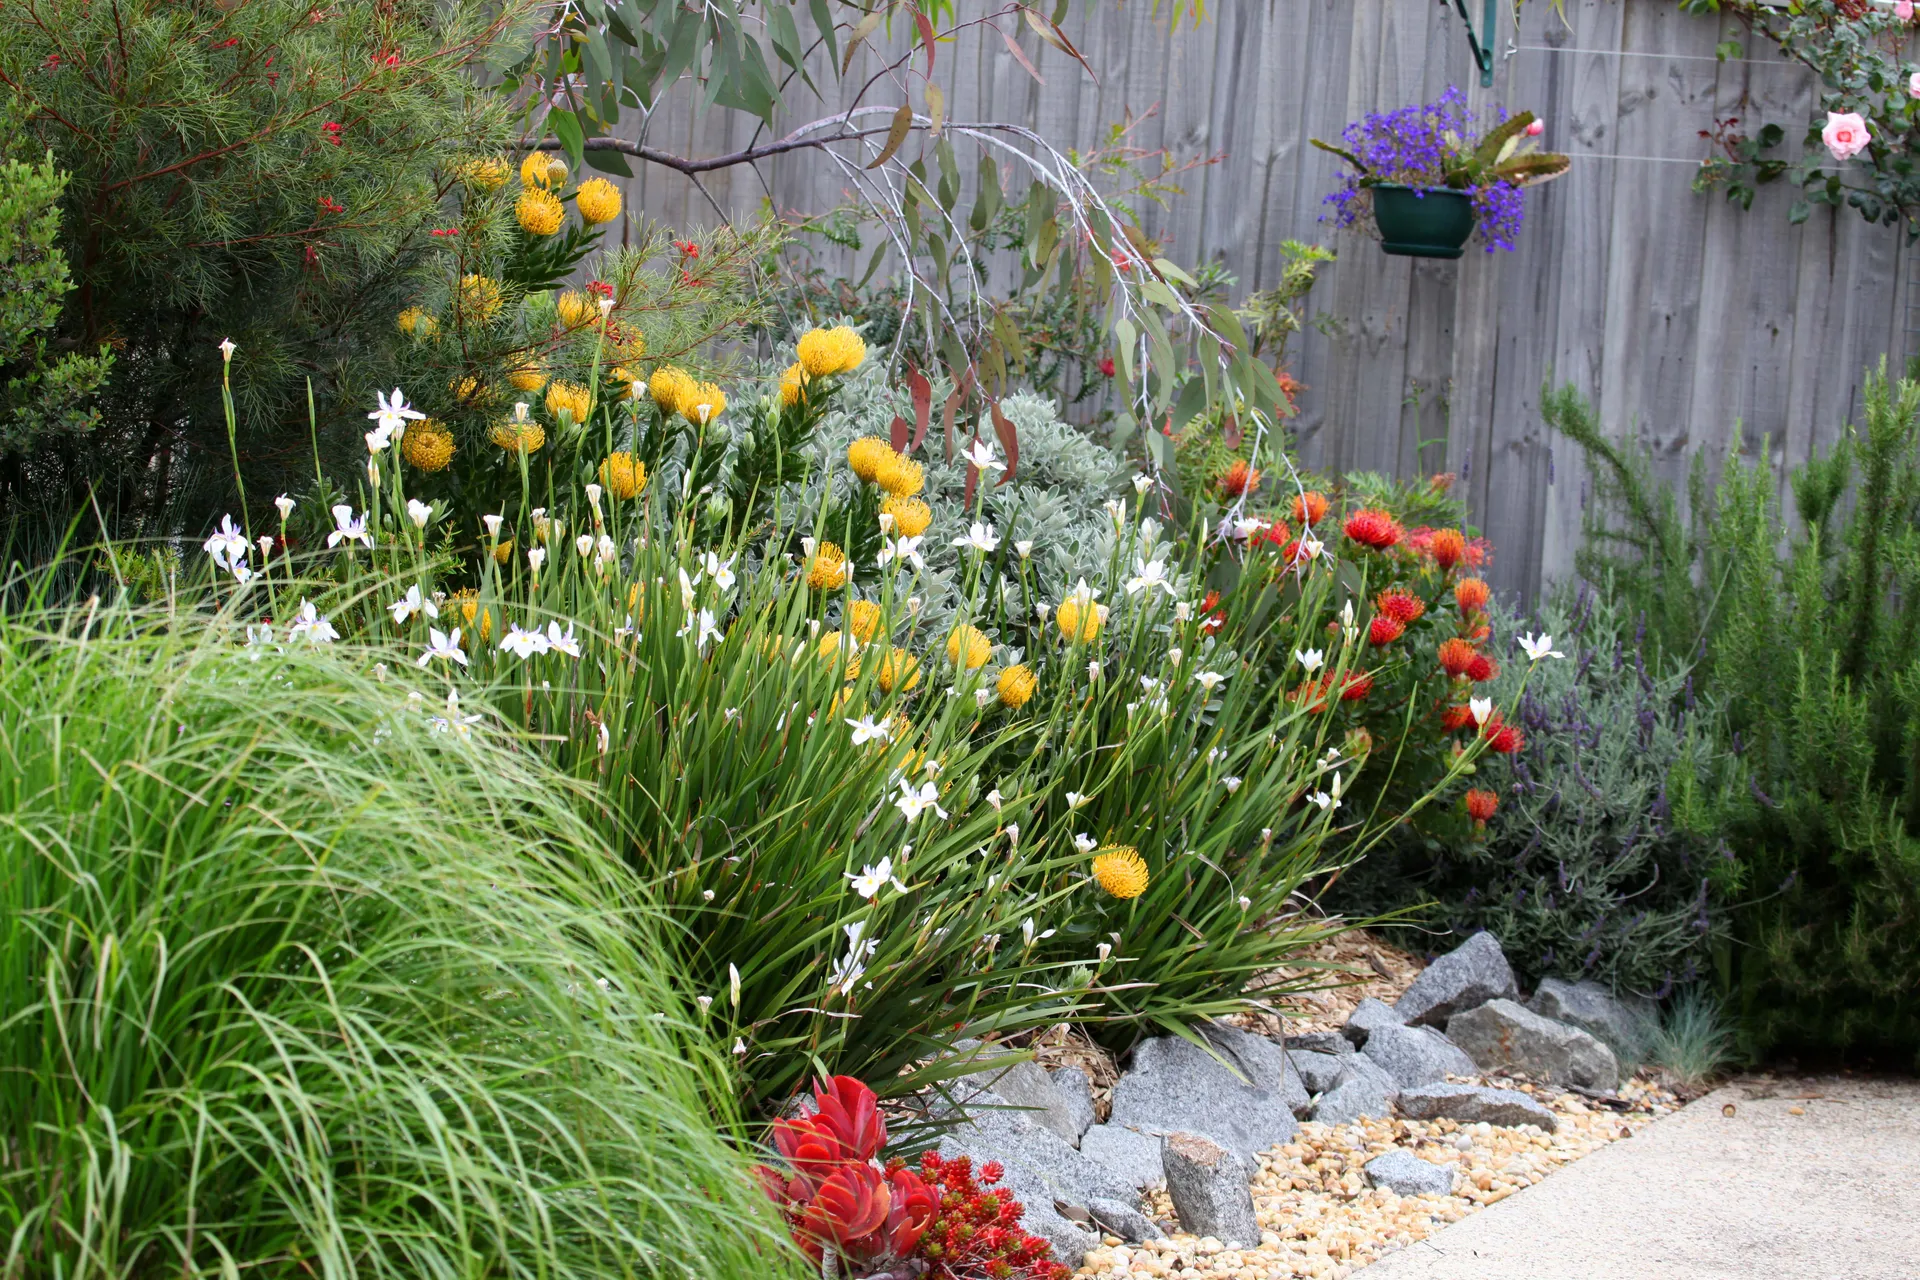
x: 1807, y: 635
x: 1590, y: 853
x: 1439, y: 144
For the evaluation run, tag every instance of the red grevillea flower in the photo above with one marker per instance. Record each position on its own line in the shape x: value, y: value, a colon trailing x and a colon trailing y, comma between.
x: 1454, y: 719
x: 1384, y: 629
x: 443, y: 232
x: 1372, y: 527
x: 1482, y: 668
x: 1471, y: 594
x: 1357, y: 686
x: 600, y: 287
x: 1456, y: 655
x: 1481, y: 805
x: 1310, y: 507
x: 1501, y: 736
x: 1237, y: 480
x: 1401, y: 606
x: 1106, y: 365
x: 1448, y: 547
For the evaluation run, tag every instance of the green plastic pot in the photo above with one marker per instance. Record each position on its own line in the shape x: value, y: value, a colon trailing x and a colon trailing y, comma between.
x: 1422, y: 222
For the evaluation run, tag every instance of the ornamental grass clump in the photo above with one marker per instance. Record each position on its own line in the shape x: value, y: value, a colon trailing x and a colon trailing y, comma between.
x: 1439, y: 145
x: 298, y: 975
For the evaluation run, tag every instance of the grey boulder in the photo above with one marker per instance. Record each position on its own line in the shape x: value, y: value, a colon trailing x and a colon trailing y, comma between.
x: 1475, y: 1104
x: 1318, y: 1071
x: 1123, y: 1220
x: 1415, y: 1056
x: 1025, y: 1083
x: 1320, y: 1042
x: 1175, y: 1086
x: 1041, y: 1167
x: 1363, y: 1090
x: 1076, y: 1092
x: 1132, y: 1157
x: 1367, y: 1015
x: 1470, y: 975
x: 1501, y: 1033
x: 1406, y: 1174
x: 1620, y: 1023
x: 1208, y: 1185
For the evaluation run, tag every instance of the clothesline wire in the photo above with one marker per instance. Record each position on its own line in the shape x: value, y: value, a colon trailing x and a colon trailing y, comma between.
x: 1646, y: 53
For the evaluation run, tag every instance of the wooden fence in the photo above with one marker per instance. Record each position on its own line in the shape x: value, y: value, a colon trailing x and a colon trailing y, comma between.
x: 1686, y: 318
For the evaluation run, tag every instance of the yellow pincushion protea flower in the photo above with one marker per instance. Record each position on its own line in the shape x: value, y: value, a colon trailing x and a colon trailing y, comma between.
x: 416, y: 322
x: 570, y: 398
x: 1079, y: 619
x: 427, y: 445
x: 518, y: 437
x: 830, y: 646
x: 792, y: 384
x: 619, y: 382
x: 479, y: 298
x: 540, y: 212
x: 898, y: 670
x: 863, y: 619
x: 824, y: 352
x: 598, y: 201
x: 528, y: 377
x: 623, y: 475
x: 827, y: 571
x: 1016, y: 685
x: 575, y: 309
x: 910, y: 515
x: 671, y: 387
x: 703, y: 404
x: 467, y: 601
x: 969, y: 645
x: 867, y: 455
x: 1120, y: 870
x: 471, y: 392
x: 899, y: 476
x: 488, y: 173
x: 539, y: 170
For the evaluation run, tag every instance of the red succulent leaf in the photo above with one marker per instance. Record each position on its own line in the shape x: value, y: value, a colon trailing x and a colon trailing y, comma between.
x: 911, y: 1207
x: 811, y: 1147
x: 848, y: 1110
x: 852, y: 1203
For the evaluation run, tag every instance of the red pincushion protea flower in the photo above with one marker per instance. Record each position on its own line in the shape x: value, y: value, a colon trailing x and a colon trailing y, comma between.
x: 1447, y: 547
x: 1501, y: 736
x: 1276, y: 534
x: 1384, y: 629
x: 1372, y: 527
x: 1482, y: 668
x: 1212, y: 618
x: 1454, y: 719
x: 1358, y: 685
x: 1456, y: 655
x: 1310, y: 507
x: 1401, y: 606
x: 1106, y: 366
x: 1481, y: 805
x: 1312, y: 693
x: 1237, y: 480
x: 1471, y: 594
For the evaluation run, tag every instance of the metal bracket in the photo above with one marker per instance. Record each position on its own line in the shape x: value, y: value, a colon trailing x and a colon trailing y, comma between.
x: 1483, y: 46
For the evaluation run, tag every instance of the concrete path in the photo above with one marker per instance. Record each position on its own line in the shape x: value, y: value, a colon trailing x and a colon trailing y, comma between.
x: 1832, y: 1193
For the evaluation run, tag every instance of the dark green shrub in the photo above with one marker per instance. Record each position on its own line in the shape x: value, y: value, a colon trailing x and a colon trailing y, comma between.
x: 1805, y: 631
x: 43, y: 390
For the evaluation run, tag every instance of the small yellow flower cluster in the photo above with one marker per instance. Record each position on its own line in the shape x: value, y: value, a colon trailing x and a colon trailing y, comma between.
x: 518, y: 437
x: 824, y: 352
x: 470, y: 391
x: 1016, y: 685
x: 569, y: 398
x: 598, y: 201
x: 528, y: 377
x: 488, y: 173
x: 467, y: 601
x: 827, y: 571
x: 911, y: 516
x: 479, y: 298
x: 416, y: 322
x: 539, y: 211
x: 969, y: 645
x: 1120, y: 870
x: 576, y: 309
x: 428, y: 445
x: 623, y: 475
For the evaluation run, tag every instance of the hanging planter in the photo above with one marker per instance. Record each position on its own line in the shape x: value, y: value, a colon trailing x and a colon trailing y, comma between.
x: 1428, y: 180
x: 1422, y: 222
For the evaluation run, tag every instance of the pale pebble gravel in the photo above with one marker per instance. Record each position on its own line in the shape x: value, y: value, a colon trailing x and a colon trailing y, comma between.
x: 1320, y: 1219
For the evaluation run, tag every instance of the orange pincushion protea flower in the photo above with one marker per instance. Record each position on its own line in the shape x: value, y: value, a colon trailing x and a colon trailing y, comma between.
x: 1482, y: 668
x: 1212, y: 616
x: 1481, y: 805
x: 1401, y: 606
x: 1454, y: 719
x: 1471, y: 594
x: 1448, y: 547
x: 1310, y: 507
x: 1501, y: 736
x: 1238, y: 480
x: 1358, y: 685
x: 1372, y: 527
x: 1456, y: 655
x: 1385, y: 629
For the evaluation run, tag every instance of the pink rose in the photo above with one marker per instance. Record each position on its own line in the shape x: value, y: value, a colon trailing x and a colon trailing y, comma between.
x: 1913, y: 85
x: 1846, y: 134
x: 1535, y: 129
x: 1903, y: 10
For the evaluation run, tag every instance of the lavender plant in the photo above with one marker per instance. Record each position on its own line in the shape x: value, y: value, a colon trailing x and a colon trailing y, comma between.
x: 1440, y: 145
